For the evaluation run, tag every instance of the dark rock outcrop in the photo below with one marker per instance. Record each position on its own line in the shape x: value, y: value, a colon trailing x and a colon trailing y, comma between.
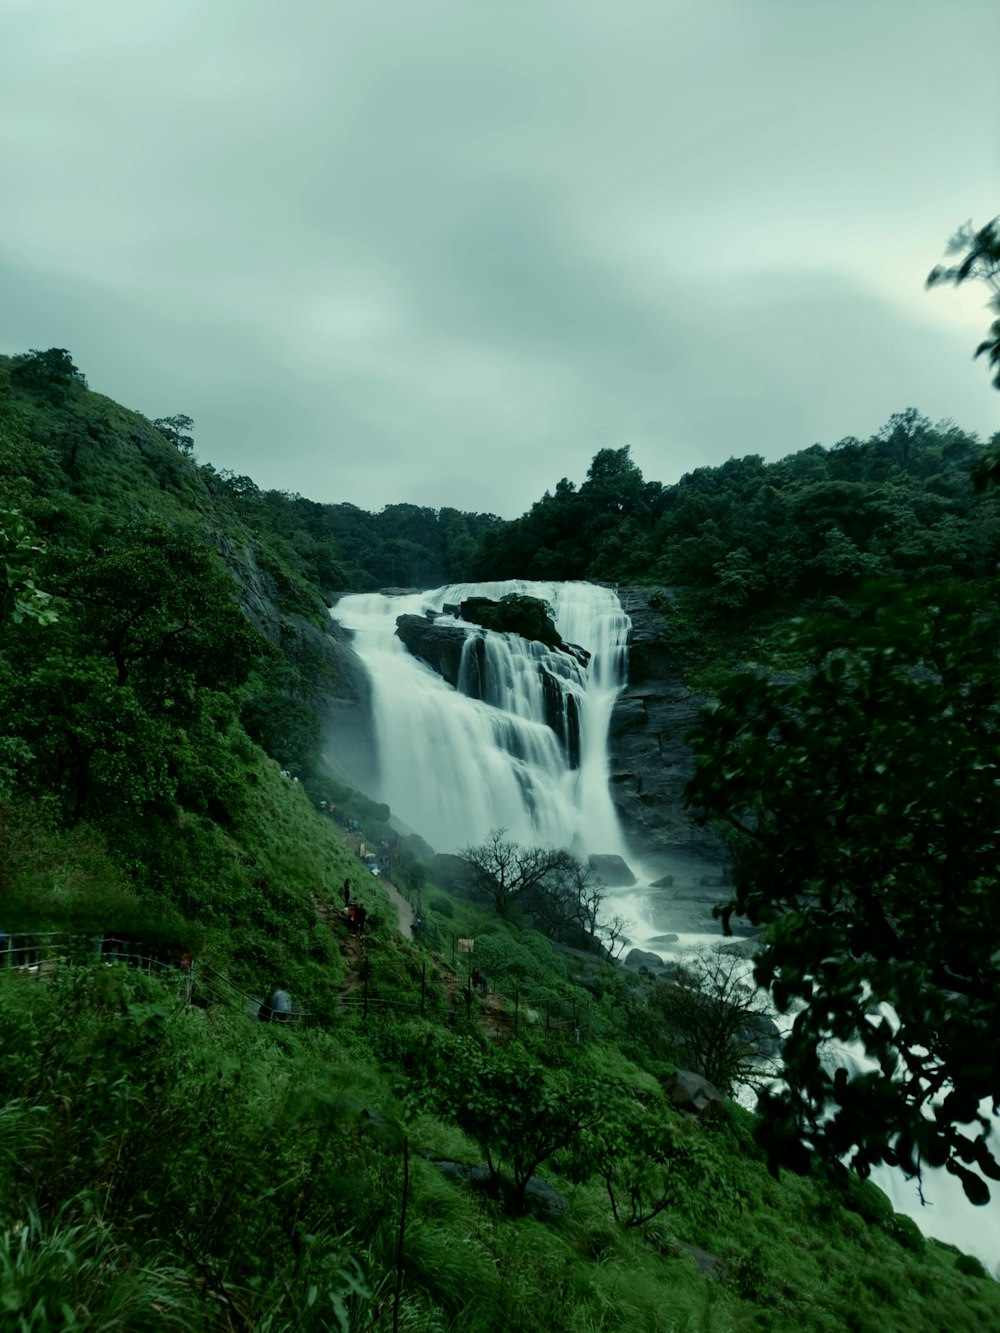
x: 641, y: 958
x: 562, y: 713
x: 440, y: 646
x: 691, y: 1093
x: 649, y: 762
x: 538, y: 1193
x: 612, y: 869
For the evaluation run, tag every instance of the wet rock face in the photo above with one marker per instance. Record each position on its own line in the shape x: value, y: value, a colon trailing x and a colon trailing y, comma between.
x: 650, y: 764
x: 334, y: 680
x: 440, y: 646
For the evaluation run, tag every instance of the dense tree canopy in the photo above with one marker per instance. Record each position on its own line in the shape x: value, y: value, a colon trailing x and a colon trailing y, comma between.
x: 860, y: 802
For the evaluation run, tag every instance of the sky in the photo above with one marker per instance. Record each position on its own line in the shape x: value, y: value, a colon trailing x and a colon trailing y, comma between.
x: 443, y: 251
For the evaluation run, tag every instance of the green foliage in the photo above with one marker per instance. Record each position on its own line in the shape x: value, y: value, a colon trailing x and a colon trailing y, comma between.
x: 19, y: 597
x: 178, y: 430
x: 980, y: 263
x: 50, y: 374
x: 859, y: 801
x: 649, y: 1161
x: 519, y: 1113
x: 970, y: 1266
x: 168, y: 1164
x: 73, y: 1274
x: 748, y: 544
x: 519, y: 614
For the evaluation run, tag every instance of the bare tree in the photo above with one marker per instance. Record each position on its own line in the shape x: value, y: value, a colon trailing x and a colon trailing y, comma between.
x: 567, y: 903
x: 612, y: 934
x: 504, y: 872
x: 717, y: 1020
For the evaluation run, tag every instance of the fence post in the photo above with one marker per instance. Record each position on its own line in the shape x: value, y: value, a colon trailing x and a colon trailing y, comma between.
x: 423, y: 986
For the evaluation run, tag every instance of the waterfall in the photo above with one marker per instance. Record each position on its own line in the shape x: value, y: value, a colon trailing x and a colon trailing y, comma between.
x: 455, y: 763
x: 522, y: 744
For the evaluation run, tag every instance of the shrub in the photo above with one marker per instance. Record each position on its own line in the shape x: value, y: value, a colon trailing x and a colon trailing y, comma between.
x: 909, y: 1235
x: 969, y: 1266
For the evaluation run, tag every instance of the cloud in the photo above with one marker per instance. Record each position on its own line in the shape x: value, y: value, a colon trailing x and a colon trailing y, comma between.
x: 444, y: 252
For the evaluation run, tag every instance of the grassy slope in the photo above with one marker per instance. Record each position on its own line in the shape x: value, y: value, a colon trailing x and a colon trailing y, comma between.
x: 285, y: 1169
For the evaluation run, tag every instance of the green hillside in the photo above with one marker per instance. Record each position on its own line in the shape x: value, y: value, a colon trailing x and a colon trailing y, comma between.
x: 172, y: 1162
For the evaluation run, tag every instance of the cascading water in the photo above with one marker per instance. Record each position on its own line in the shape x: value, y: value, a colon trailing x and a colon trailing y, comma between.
x: 453, y: 766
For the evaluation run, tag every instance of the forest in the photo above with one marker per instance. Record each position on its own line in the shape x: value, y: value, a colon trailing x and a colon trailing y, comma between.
x: 171, y: 1161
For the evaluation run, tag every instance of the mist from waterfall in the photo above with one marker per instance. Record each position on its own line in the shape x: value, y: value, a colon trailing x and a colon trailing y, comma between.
x: 454, y: 767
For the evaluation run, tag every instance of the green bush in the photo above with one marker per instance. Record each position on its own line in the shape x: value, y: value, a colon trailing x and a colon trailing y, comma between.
x: 969, y: 1266
x: 907, y: 1233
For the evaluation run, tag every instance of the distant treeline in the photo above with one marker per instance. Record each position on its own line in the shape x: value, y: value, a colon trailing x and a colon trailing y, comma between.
x: 901, y: 503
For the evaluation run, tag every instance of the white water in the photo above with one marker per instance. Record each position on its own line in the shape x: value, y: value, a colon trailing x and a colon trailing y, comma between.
x: 452, y: 767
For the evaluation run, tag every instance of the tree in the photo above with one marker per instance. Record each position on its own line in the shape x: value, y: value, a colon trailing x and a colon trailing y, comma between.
x: 568, y: 901
x: 178, y: 431
x: 160, y: 606
x: 738, y: 580
x: 504, y: 872
x: 860, y: 804
x: 614, y: 482
x: 717, y: 1022
x: 980, y: 263
x: 648, y: 1161
x: 520, y: 1113
x: 50, y: 374
x: 20, y: 599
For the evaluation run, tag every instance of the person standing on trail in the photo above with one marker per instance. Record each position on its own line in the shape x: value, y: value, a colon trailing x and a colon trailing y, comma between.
x: 347, y: 893
x: 360, y: 917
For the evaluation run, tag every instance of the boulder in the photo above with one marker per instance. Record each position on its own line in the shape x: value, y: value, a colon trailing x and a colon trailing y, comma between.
x: 691, y: 1093
x: 440, y: 646
x: 638, y: 958
x: 538, y: 1193
x: 707, y: 1264
x: 277, y: 1008
x: 612, y: 869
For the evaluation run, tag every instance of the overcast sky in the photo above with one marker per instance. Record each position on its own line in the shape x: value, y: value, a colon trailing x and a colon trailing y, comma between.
x: 442, y: 251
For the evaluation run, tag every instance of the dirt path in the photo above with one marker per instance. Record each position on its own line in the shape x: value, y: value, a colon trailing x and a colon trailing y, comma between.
x: 403, y: 908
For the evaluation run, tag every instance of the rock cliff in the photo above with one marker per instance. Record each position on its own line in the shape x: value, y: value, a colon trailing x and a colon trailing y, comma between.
x: 332, y: 675
x: 649, y: 761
